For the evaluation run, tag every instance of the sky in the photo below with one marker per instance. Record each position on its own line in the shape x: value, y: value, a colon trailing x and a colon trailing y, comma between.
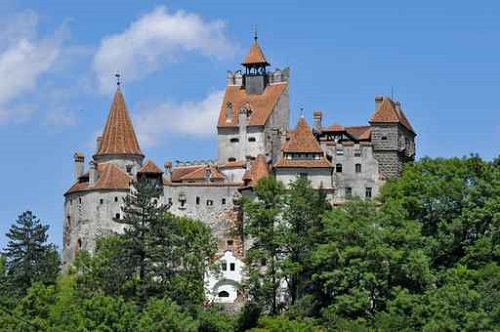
x: 441, y: 60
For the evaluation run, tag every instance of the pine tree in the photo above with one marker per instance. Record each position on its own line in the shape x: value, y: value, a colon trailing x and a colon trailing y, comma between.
x: 29, y: 257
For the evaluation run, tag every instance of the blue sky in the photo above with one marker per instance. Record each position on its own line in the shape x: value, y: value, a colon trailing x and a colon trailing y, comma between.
x: 57, y: 59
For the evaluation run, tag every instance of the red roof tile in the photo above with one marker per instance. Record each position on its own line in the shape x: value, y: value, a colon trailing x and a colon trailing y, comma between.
x: 151, y: 168
x: 110, y: 177
x: 302, y: 140
x: 388, y: 111
x: 334, y: 128
x: 255, y: 56
x: 261, y: 105
x: 257, y: 171
x: 118, y: 136
x: 201, y: 172
x: 361, y: 133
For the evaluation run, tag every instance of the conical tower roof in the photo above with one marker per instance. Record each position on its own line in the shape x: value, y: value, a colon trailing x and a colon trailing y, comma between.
x: 118, y: 137
x: 255, y: 56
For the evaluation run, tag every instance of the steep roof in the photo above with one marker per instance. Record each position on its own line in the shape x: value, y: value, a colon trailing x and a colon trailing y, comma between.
x: 257, y: 171
x: 362, y: 133
x: 200, y: 174
x: 150, y: 168
x: 302, y: 140
x: 118, y: 136
x: 255, y: 56
x: 261, y: 105
x: 110, y: 177
x: 388, y: 111
x: 336, y: 127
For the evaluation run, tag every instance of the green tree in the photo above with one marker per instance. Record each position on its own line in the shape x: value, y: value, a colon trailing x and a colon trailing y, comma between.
x: 266, y: 255
x: 29, y: 257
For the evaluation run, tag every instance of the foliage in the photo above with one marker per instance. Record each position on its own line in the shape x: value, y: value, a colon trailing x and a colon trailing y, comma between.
x: 29, y: 258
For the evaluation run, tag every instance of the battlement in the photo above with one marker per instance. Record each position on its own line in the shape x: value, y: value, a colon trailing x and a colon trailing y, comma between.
x: 277, y: 76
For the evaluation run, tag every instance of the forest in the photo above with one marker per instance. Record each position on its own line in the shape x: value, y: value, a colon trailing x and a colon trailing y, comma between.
x: 422, y: 256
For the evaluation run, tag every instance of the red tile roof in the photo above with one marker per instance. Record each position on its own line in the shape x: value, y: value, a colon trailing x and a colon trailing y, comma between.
x: 233, y: 164
x: 255, y: 56
x: 261, y: 105
x: 151, y: 168
x: 334, y: 128
x: 110, y: 177
x: 118, y: 136
x: 388, y: 111
x: 302, y: 140
x: 196, y: 172
x: 361, y: 133
x: 257, y: 171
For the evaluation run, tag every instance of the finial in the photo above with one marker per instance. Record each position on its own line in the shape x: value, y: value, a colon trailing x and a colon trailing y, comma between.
x: 118, y: 81
x: 255, y: 36
x: 302, y: 112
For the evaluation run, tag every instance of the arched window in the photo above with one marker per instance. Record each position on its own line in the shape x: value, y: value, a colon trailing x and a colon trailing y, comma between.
x: 223, y: 294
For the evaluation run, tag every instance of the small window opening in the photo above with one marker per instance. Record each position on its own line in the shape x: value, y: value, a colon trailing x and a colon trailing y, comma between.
x: 223, y: 294
x: 357, y: 153
x: 368, y: 192
x: 231, y: 159
x: 79, y: 243
x: 232, y: 266
x: 224, y: 266
x: 358, y: 168
x: 338, y: 168
x: 263, y: 262
x: 303, y: 175
x: 340, y: 152
x: 223, y: 201
x: 101, y: 201
x: 251, y: 139
x: 210, y: 202
x: 197, y: 200
x: 230, y: 243
x: 69, y: 221
x: 116, y: 198
x: 234, y: 140
x: 129, y: 169
x: 117, y: 216
x: 80, y: 200
x: 384, y: 138
x: 348, y: 192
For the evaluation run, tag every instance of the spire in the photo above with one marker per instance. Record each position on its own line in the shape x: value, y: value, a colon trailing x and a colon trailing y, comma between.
x: 255, y: 57
x: 118, y: 137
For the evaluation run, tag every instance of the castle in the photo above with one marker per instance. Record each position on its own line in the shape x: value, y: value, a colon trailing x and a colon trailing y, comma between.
x: 254, y: 141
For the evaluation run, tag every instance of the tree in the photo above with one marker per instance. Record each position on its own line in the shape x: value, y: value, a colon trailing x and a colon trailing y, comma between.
x: 265, y: 256
x: 29, y: 257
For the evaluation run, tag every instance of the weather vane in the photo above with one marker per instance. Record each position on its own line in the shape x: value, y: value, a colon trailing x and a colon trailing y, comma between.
x: 118, y: 81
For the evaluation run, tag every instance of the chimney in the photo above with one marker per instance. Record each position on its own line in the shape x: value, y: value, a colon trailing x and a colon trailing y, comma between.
x: 79, y: 159
x: 317, y: 117
x: 92, y: 173
x: 168, y: 170
x: 378, y: 100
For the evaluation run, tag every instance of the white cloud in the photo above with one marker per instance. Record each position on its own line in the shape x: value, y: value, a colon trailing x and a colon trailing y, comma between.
x: 23, y: 59
x: 154, y: 40
x: 197, y: 119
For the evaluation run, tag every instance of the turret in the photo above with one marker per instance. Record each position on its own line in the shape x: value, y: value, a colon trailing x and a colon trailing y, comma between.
x: 255, y: 78
x: 79, y: 159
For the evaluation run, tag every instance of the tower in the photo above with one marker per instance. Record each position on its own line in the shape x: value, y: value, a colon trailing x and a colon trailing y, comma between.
x: 392, y: 136
x: 254, y: 111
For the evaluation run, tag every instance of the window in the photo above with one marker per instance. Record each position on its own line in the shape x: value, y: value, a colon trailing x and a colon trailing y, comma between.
x: 368, y: 192
x: 303, y: 175
x: 338, y: 168
x: 116, y: 198
x: 263, y: 262
x: 229, y: 111
x: 234, y: 140
x: 230, y: 243
x: 223, y: 294
x: 340, y: 152
x: 231, y: 159
x: 232, y: 266
x: 348, y: 192
x: 224, y: 266
x: 117, y: 216
x: 251, y: 139
x: 79, y: 244
x: 80, y: 200
x: 358, y: 168
x: 129, y: 169
x: 170, y: 201
x: 70, y: 202
x: 197, y: 200
x: 210, y: 202
x: 357, y: 153
x: 101, y: 201
x: 69, y: 221
x: 223, y: 201
x: 384, y: 138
